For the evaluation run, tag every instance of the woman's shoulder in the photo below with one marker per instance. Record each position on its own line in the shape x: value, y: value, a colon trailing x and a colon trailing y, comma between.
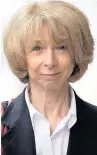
x: 86, y: 111
x: 89, y: 107
x: 90, y: 110
x: 85, y: 105
x: 15, y: 107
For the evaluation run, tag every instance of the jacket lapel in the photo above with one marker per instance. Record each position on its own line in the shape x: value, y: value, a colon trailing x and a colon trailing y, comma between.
x: 82, y: 134
x: 20, y: 135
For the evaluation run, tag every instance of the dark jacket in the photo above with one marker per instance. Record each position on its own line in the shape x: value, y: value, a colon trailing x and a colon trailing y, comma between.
x: 20, y: 140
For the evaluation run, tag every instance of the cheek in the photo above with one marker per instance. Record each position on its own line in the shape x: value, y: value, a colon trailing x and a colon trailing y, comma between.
x: 66, y: 63
x: 33, y: 64
x: 66, y: 66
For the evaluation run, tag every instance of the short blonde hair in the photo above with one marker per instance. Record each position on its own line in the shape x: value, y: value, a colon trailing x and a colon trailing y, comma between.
x: 67, y: 23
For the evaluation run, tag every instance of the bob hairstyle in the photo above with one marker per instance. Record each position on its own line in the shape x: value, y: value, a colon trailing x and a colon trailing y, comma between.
x: 68, y: 25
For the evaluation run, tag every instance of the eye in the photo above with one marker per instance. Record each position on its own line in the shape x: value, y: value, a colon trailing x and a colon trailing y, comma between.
x: 36, y: 48
x: 62, y: 47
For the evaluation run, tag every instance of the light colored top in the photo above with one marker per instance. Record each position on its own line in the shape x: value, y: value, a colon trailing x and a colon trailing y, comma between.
x: 57, y: 143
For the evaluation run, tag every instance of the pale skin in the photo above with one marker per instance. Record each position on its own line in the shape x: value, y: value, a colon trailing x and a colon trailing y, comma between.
x: 49, y: 92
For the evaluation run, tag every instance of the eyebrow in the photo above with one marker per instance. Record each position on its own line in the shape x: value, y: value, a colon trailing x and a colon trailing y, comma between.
x: 38, y: 41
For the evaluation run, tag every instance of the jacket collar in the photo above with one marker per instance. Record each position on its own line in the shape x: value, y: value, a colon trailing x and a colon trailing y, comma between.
x: 18, y: 107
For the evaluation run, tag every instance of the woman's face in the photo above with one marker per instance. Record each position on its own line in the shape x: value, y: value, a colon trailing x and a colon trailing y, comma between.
x: 48, y: 66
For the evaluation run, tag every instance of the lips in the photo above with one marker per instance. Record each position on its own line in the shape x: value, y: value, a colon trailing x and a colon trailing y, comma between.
x: 49, y: 76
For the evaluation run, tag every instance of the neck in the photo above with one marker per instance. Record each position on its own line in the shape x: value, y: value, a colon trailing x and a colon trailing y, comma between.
x: 50, y: 102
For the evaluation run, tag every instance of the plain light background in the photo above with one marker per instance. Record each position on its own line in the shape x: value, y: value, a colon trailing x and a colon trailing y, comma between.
x: 86, y: 88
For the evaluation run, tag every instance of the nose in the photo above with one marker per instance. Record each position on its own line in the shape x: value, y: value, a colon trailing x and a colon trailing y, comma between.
x: 50, y: 59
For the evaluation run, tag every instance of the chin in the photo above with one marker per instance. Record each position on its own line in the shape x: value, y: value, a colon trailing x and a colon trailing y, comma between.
x: 51, y: 84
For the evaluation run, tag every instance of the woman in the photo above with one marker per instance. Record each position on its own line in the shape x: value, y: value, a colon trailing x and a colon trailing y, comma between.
x: 49, y: 44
